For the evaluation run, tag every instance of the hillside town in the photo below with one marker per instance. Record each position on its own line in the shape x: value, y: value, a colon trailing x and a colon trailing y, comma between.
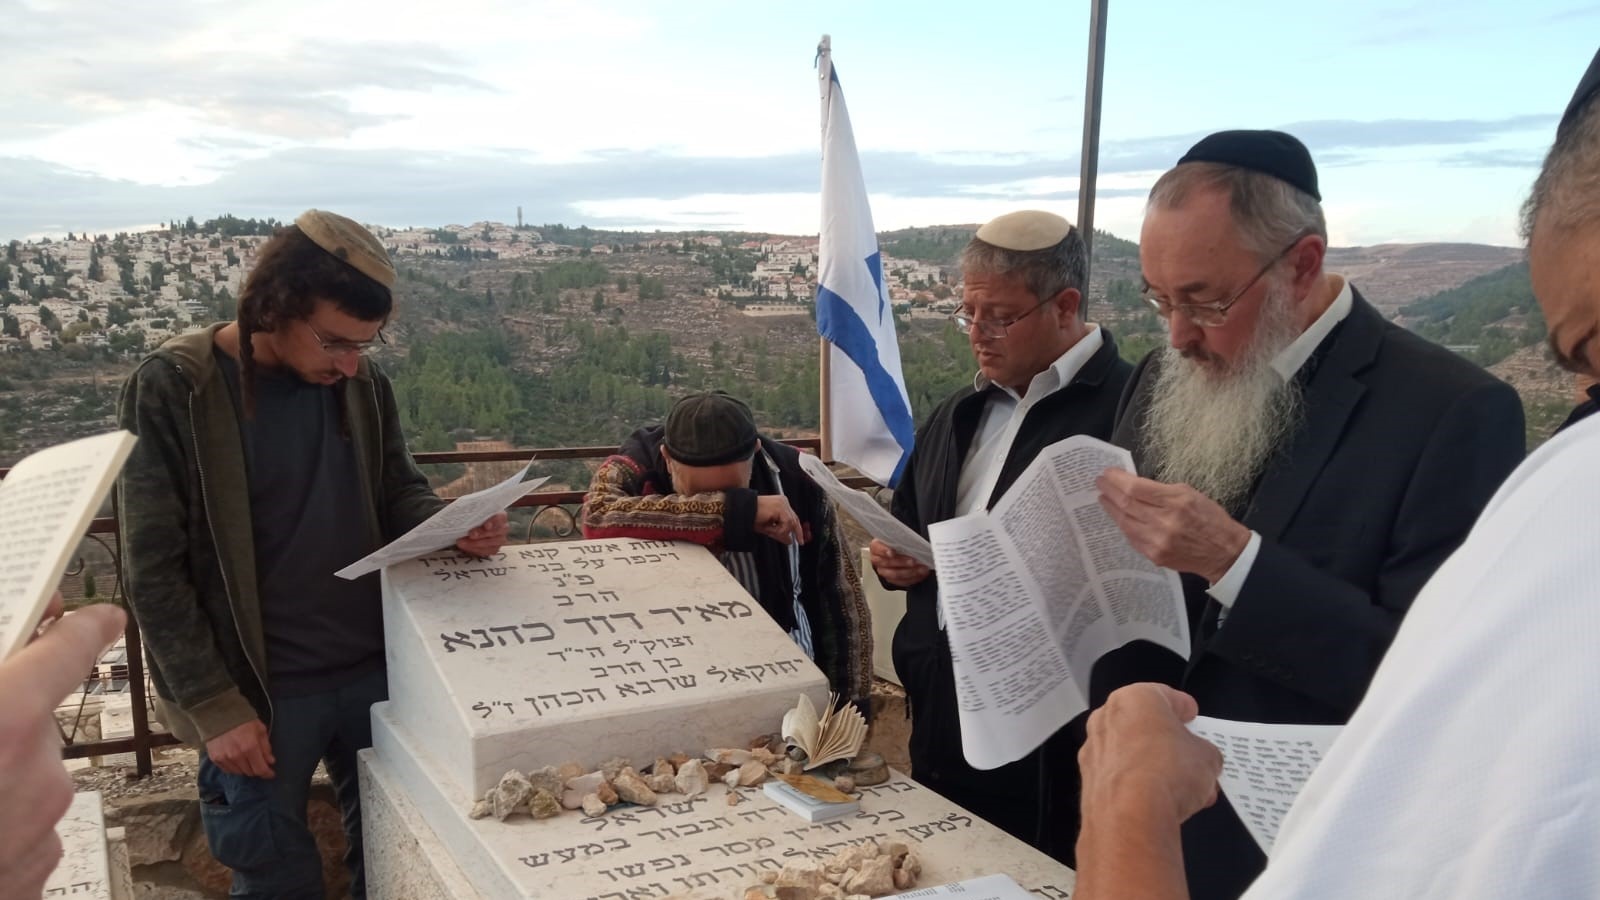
x: 129, y: 292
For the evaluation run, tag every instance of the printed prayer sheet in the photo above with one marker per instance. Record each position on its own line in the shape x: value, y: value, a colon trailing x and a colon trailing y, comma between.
x: 879, y: 522
x: 1037, y: 589
x: 446, y: 526
x: 1264, y: 767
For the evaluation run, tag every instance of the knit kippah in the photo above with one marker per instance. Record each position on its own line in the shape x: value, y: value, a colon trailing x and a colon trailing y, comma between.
x: 1029, y: 229
x: 346, y: 239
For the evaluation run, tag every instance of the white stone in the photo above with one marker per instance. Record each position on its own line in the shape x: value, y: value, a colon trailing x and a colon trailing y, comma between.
x: 577, y: 788
x: 675, y: 847
x: 85, y: 868
x: 692, y: 778
x: 557, y: 652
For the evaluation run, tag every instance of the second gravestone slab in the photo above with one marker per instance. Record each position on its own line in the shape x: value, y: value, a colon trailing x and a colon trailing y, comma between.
x: 581, y: 651
x: 84, y: 870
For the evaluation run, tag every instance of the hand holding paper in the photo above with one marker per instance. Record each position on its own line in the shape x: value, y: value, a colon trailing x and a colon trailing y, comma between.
x: 897, y: 569
x: 1173, y: 525
x: 486, y: 539
x: 878, y: 522
x: 458, y: 521
x: 1139, y: 751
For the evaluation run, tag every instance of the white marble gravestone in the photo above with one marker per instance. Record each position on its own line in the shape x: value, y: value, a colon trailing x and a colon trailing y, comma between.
x: 85, y: 870
x: 421, y: 846
x: 116, y: 722
x: 581, y: 651
x: 584, y: 651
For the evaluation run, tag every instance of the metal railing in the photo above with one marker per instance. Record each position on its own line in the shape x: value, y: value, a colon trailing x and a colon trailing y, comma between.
x: 564, y: 503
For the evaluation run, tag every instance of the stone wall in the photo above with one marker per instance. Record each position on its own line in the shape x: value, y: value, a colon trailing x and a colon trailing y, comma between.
x: 167, y: 847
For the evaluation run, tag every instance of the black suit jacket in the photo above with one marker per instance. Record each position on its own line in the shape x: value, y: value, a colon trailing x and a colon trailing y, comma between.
x: 1007, y: 796
x: 1402, y: 445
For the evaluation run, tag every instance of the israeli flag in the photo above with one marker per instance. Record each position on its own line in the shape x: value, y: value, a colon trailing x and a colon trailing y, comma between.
x: 872, y: 428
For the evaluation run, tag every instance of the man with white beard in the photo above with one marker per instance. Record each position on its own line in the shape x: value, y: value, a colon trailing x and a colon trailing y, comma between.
x: 1309, y: 464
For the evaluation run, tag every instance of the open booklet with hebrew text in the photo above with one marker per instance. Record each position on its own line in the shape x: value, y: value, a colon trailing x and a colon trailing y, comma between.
x: 46, y: 504
x: 1035, y: 590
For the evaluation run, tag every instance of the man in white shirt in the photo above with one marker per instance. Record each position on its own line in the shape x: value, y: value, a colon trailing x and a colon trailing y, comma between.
x: 1044, y: 374
x: 1469, y: 770
x: 1307, y: 465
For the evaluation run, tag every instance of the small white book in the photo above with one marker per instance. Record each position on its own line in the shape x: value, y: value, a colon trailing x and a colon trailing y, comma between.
x: 806, y: 806
x: 46, y: 504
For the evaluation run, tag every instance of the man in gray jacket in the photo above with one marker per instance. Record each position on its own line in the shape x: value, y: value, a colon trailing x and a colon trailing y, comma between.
x: 269, y: 456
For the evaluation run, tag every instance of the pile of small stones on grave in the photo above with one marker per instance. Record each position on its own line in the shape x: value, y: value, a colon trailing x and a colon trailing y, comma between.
x: 870, y: 869
x: 545, y: 793
x: 858, y: 872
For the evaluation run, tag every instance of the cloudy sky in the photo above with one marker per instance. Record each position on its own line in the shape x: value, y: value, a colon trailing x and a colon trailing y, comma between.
x: 1427, y: 119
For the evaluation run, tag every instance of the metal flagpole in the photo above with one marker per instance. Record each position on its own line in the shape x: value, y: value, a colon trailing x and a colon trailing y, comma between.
x: 825, y: 411
x: 824, y: 379
x: 1089, y: 164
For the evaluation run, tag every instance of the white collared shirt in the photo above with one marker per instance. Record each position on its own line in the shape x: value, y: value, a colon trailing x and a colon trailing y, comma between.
x: 1002, y: 417
x: 1468, y: 771
x: 1287, y: 364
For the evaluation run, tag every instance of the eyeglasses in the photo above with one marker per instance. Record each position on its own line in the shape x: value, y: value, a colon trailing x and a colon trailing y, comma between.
x: 342, y: 349
x: 1213, y: 315
x: 994, y: 329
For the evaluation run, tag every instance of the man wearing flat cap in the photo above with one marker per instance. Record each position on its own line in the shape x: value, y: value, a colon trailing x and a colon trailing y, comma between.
x: 1305, y: 464
x: 1044, y: 374
x: 270, y: 455
x: 1468, y: 770
x: 708, y: 476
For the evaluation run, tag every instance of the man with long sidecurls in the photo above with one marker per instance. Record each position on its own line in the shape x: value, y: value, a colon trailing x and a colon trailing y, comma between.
x: 269, y: 456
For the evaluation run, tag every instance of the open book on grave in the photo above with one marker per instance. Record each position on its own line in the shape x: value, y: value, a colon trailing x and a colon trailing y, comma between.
x: 46, y: 504
x: 837, y: 734
x: 1035, y: 590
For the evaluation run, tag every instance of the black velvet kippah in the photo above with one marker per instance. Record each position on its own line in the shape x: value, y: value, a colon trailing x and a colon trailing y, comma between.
x: 1586, y: 89
x: 1269, y: 152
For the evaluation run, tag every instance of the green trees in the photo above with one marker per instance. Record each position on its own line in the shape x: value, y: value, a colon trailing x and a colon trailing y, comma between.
x: 652, y: 288
x: 130, y: 341
x: 1495, y: 314
x: 458, y: 382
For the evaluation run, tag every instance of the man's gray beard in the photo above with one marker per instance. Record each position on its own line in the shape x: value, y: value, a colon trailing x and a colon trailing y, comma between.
x: 1217, y: 430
